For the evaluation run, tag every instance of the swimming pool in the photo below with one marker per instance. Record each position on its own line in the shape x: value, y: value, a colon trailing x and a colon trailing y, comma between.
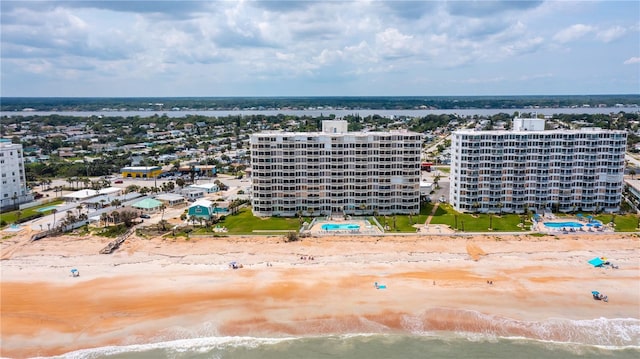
x: 563, y: 224
x: 338, y: 227
x: 45, y: 209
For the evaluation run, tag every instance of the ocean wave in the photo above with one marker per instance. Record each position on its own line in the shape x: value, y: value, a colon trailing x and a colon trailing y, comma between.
x: 180, y: 345
x: 442, y: 325
x: 374, y: 345
x: 603, y: 332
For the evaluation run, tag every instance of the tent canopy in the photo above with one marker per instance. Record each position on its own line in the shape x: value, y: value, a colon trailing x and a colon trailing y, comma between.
x: 596, y: 262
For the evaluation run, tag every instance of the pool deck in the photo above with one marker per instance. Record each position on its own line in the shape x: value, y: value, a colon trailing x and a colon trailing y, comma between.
x: 540, y: 227
x: 365, y: 228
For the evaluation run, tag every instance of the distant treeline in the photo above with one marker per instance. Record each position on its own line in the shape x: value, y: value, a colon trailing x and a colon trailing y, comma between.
x: 258, y: 103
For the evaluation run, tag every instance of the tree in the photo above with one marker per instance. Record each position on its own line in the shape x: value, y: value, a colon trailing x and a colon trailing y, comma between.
x: 116, y: 203
x: 54, y: 211
x: 115, y: 215
x: 180, y: 182
x: 476, y: 207
x: 632, y: 172
x: 163, y: 207
x: 127, y: 217
x: 163, y: 224
x: 436, y: 179
x: 104, y: 217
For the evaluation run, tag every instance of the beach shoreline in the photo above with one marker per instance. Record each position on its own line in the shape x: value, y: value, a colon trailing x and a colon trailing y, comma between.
x: 153, y: 290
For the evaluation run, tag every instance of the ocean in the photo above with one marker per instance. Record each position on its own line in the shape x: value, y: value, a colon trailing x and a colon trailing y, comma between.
x: 599, y: 338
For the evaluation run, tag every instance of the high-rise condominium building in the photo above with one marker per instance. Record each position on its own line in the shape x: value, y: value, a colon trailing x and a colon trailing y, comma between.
x: 335, y: 172
x: 13, y: 184
x: 529, y: 168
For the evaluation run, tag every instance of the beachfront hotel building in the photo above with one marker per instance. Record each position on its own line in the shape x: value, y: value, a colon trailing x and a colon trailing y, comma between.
x: 13, y: 183
x: 530, y: 168
x: 335, y: 172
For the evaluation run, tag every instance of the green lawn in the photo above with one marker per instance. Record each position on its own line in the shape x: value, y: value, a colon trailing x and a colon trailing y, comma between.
x: 245, y: 223
x: 469, y: 222
x: 7, y: 218
x: 622, y: 223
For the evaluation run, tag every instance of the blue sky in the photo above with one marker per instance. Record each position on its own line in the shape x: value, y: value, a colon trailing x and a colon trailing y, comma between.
x: 318, y: 48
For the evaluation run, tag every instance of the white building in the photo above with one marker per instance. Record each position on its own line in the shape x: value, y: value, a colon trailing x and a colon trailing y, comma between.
x: 335, y: 172
x: 529, y: 168
x: 13, y: 183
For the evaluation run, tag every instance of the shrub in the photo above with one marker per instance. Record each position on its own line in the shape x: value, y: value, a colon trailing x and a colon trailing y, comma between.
x: 291, y: 237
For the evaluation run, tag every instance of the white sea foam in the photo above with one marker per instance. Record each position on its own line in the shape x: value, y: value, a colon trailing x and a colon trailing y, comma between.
x: 476, y: 326
x: 180, y: 345
x: 573, y: 335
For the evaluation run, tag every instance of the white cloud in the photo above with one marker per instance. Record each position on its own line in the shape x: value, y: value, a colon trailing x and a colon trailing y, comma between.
x: 311, y: 44
x: 572, y: 33
x: 611, y: 34
x: 391, y: 43
x: 632, y: 60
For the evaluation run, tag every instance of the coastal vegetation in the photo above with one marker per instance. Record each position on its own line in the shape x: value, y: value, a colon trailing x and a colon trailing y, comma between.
x: 354, y: 102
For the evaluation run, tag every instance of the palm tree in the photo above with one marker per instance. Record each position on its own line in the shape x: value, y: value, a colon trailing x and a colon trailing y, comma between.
x: 214, y: 205
x: 18, y: 215
x: 163, y: 224
x: 116, y: 203
x: 116, y: 217
x: 104, y: 217
x: 476, y: 207
x: 15, y: 200
x: 163, y: 207
x: 54, y: 211
x: 436, y: 179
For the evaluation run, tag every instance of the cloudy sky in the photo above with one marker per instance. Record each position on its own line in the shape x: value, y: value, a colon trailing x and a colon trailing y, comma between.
x: 318, y: 48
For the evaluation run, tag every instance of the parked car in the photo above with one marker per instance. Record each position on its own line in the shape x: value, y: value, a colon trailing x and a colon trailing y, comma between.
x: 117, y: 181
x: 146, y: 216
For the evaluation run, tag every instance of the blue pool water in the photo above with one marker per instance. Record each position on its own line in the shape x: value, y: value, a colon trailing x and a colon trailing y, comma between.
x: 562, y: 224
x: 337, y: 227
x: 45, y: 209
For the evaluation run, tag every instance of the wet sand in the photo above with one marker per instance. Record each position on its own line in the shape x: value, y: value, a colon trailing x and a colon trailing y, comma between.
x: 156, y: 290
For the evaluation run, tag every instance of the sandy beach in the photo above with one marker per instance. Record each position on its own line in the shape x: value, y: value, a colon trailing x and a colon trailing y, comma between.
x: 153, y: 290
